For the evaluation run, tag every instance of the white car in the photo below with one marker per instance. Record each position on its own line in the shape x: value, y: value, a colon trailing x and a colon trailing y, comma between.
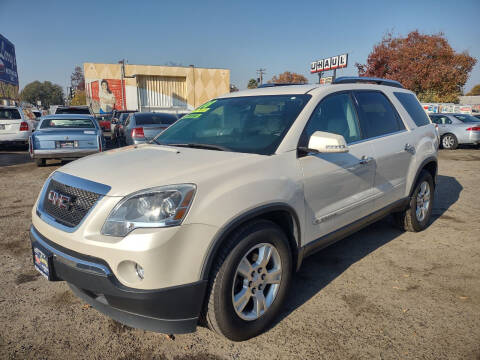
x: 15, y: 127
x: 209, y: 222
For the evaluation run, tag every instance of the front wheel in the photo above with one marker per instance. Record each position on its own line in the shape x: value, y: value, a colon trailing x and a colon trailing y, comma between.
x: 250, y: 281
x: 417, y: 216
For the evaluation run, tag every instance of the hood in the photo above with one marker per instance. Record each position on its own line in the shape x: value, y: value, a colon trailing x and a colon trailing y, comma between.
x: 138, y: 167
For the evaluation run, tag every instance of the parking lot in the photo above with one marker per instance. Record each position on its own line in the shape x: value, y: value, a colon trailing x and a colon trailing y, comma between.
x: 379, y: 294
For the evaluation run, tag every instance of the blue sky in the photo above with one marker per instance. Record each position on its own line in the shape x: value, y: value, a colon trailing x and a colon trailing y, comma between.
x: 51, y: 37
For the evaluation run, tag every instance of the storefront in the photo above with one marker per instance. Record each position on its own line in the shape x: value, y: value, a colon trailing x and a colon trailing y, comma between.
x: 152, y: 87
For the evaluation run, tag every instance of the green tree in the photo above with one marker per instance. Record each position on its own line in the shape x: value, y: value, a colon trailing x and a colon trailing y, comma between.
x: 475, y: 91
x: 425, y: 64
x: 252, y: 84
x: 80, y: 98
x: 77, y: 80
x: 46, y: 92
x: 288, y: 77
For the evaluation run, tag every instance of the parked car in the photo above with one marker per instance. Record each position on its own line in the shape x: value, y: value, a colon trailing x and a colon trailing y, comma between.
x: 142, y: 127
x: 117, y: 123
x: 104, y: 120
x: 73, y: 110
x: 455, y: 129
x: 65, y: 136
x: 209, y: 222
x: 15, y: 127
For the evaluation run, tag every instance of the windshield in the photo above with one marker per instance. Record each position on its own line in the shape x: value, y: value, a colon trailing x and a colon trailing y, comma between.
x: 9, y: 114
x: 154, y: 118
x: 73, y: 111
x: 251, y: 124
x: 67, y: 124
x: 467, y: 118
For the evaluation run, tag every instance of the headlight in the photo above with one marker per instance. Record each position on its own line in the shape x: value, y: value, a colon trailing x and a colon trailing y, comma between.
x: 156, y: 207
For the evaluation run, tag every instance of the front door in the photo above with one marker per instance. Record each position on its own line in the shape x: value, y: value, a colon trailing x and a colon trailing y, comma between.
x: 338, y: 187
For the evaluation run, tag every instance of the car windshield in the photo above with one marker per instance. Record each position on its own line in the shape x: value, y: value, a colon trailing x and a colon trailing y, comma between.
x: 67, y: 124
x: 467, y: 118
x: 9, y: 114
x: 154, y: 118
x: 250, y: 124
x: 73, y: 111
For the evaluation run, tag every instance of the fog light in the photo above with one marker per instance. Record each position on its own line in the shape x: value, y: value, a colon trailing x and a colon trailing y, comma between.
x: 139, y: 271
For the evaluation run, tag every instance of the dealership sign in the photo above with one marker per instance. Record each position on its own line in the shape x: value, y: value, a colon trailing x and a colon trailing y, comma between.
x: 8, y: 63
x: 331, y: 63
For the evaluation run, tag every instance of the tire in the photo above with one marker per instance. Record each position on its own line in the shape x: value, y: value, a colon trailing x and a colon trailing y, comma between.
x: 449, y: 142
x: 40, y: 162
x: 409, y: 219
x: 252, y: 239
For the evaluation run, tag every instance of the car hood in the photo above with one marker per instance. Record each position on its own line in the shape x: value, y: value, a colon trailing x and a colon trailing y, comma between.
x: 138, y: 167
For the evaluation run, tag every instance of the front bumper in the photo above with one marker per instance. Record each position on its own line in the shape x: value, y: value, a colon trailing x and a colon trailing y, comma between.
x: 170, y: 310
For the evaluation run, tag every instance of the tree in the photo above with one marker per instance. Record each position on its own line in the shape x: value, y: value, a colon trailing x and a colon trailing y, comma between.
x: 475, y: 91
x: 77, y: 80
x: 46, y: 92
x: 289, y: 78
x: 233, y: 88
x: 425, y: 64
x: 252, y: 84
x: 80, y: 98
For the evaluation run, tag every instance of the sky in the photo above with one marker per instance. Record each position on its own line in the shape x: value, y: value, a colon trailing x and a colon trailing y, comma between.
x: 52, y: 37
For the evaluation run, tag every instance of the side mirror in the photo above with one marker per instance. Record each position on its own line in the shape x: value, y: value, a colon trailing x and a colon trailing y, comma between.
x: 324, y: 142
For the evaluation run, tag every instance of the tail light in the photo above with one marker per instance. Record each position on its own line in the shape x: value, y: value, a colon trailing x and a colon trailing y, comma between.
x: 100, y: 147
x: 23, y: 126
x: 138, y: 133
x: 474, y: 128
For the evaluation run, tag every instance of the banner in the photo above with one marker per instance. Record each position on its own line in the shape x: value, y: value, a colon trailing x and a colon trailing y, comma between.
x: 8, y: 63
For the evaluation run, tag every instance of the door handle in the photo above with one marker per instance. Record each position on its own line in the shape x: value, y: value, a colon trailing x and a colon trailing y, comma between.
x: 409, y: 148
x: 365, y: 160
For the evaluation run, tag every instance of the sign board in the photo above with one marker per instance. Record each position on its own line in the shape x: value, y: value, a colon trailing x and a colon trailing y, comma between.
x: 331, y: 63
x: 8, y: 63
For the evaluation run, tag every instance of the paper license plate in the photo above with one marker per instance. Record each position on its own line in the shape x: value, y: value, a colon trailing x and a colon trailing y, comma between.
x: 41, y: 263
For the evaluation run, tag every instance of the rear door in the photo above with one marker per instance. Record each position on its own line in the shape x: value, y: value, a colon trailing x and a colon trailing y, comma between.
x: 338, y: 187
x: 393, y: 145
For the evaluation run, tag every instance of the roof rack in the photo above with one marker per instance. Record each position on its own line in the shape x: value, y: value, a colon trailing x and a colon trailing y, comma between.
x: 361, y: 79
x: 279, y: 84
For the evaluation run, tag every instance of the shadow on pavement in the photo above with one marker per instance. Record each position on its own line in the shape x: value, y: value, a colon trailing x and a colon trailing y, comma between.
x: 320, y: 269
x: 13, y: 157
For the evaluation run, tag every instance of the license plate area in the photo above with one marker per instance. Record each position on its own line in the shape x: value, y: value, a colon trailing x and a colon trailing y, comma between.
x: 64, y: 144
x: 42, y: 261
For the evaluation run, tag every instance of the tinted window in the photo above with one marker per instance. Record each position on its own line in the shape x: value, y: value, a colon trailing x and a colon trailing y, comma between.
x: 250, y: 124
x: 377, y: 116
x: 435, y: 119
x: 413, y: 107
x: 9, y: 114
x: 335, y: 114
x: 37, y: 114
x: 467, y: 118
x: 72, y: 111
x: 67, y: 124
x: 150, y: 119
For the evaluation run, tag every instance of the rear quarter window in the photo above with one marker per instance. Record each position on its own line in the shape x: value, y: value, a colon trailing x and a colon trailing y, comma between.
x: 413, y: 107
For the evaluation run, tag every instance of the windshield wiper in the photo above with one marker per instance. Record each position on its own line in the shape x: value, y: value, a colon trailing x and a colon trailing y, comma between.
x: 199, y: 146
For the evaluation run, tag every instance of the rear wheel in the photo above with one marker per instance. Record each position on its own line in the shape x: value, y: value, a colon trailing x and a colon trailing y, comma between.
x: 40, y: 162
x: 250, y: 281
x: 449, y: 142
x: 417, y: 216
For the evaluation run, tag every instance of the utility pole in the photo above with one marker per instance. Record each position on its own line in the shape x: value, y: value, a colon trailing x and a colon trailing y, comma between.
x: 260, y: 73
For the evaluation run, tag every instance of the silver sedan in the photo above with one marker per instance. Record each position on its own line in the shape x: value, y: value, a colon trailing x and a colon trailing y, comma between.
x: 455, y: 129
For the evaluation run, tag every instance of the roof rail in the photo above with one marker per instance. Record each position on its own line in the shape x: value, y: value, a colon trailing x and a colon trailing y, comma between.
x: 361, y: 79
x: 279, y: 84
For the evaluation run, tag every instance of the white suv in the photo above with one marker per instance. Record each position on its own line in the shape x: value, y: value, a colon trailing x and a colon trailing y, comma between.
x: 15, y: 126
x: 208, y: 222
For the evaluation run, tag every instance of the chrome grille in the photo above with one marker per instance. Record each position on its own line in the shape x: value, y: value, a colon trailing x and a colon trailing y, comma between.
x: 81, y: 201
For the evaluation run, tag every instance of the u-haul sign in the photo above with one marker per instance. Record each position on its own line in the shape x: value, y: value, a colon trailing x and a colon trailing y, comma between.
x: 331, y: 63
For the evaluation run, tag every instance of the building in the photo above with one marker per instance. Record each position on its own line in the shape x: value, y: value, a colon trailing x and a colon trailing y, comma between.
x: 474, y: 101
x: 151, y: 87
x: 8, y: 73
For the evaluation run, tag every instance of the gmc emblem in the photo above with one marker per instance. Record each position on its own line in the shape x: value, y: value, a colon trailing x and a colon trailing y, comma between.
x: 59, y: 200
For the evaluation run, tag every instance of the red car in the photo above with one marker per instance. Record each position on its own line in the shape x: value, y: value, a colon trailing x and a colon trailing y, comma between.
x: 105, y: 121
